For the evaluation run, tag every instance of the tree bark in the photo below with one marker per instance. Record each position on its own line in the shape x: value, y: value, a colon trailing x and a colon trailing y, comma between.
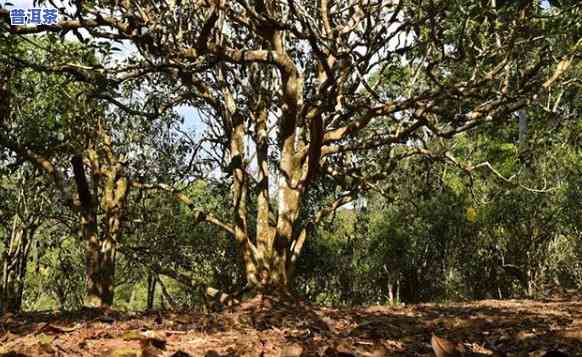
x: 290, y: 173
x: 151, y: 290
x: 100, y: 253
x: 265, y: 232
x: 523, y: 129
x: 16, y: 252
x: 14, y: 267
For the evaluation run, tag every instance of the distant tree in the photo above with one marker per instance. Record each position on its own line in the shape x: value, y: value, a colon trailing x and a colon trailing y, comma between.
x: 24, y: 198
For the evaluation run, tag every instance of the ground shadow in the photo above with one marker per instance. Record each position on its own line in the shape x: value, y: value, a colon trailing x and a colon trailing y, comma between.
x: 267, y: 326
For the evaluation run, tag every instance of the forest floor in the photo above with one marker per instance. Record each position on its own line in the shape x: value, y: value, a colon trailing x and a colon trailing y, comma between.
x: 264, y: 327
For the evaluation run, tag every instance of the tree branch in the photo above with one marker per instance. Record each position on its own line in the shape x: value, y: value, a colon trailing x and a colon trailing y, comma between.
x: 198, y: 214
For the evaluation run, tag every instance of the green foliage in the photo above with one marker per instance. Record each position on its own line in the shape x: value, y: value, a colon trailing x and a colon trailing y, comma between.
x: 430, y: 229
x: 438, y: 235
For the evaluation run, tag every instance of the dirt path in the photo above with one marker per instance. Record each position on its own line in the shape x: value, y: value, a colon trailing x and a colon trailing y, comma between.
x: 265, y: 328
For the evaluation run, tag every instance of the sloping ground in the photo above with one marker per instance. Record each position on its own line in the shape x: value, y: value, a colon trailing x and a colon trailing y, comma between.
x: 264, y: 327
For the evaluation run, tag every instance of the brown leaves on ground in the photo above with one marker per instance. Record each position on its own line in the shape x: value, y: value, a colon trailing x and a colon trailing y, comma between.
x: 268, y: 327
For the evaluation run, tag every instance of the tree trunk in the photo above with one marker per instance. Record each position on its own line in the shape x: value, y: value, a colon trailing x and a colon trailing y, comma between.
x: 101, y: 244
x: 100, y: 253
x: 265, y: 233
x: 151, y: 291
x: 100, y: 263
x: 523, y: 130
x: 390, y: 292
x: 100, y: 271
x: 398, y: 290
x: 530, y: 290
x: 14, y: 267
x: 166, y: 295
x: 9, y: 289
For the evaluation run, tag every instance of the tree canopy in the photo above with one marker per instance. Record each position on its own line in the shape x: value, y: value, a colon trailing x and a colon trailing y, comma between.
x: 295, y: 109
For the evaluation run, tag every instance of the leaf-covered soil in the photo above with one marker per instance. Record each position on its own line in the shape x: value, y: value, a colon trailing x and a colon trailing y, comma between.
x: 266, y: 327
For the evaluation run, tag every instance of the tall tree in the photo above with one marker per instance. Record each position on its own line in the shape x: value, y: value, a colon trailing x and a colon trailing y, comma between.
x: 73, y: 145
x: 24, y: 199
x: 285, y: 93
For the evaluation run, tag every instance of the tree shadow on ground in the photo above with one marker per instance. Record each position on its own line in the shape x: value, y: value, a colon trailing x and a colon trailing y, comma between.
x: 267, y: 326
